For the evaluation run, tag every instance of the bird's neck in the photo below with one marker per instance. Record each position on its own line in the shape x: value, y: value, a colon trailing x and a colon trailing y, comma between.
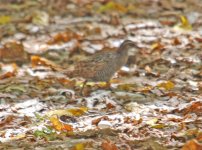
x: 122, y: 55
x: 122, y: 50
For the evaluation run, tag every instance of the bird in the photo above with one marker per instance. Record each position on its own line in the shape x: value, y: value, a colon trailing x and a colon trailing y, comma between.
x: 101, y: 66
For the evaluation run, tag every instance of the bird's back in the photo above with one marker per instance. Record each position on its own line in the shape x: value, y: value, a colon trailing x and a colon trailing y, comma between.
x: 103, y: 65
x: 99, y: 67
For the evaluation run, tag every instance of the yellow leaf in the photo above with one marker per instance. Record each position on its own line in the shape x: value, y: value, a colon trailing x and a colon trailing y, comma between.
x: 56, y: 123
x: 168, y: 85
x: 59, y: 125
x: 101, y: 84
x: 158, y: 126
x: 58, y: 112
x: 127, y: 87
x: 68, y: 112
x: 152, y: 122
x: 5, y: 19
x: 78, y: 111
x: 79, y: 146
x: 112, y: 6
x: 145, y: 89
x: 184, y: 24
x: 40, y: 18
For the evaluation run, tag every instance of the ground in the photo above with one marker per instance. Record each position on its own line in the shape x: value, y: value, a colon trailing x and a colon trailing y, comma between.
x: 155, y: 100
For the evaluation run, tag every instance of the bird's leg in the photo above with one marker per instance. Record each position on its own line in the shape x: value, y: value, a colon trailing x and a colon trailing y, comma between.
x: 83, y: 86
x: 108, y: 85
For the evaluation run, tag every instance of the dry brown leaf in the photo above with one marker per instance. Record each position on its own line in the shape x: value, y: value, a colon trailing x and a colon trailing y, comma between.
x: 67, y: 83
x: 7, y: 120
x: 198, y: 39
x: 192, y: 145
x: 39, y: 61
x: 64, y: 37
x: 96, y: 121
x: 108, y: 145
x: 176, y: 41
x: 158, y: 47
x: 10, y: 73
x: 133, y: 121
x: 110, y: 106
x: 195, y: 107
x: 7, y: 75
x: 13, y: 52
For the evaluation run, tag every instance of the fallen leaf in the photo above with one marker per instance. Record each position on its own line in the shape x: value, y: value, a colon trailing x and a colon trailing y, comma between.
x: 40, y: 18
x: 192, y: 145
x: 13, y: 52
x: 69, y: 112
x: 79, y: 146
x: 184, y: 24
x: 158, y: 126
x: 7, y: 75
x: 5, y: 20
x: 167, y: 85
x: 148, y: 69
x: 113, y: 6
x: 127, y: 87
x: 195, y: 107
x: 59, y: 125
x: 78, y: 111
x: 39, y: 61
x: 152, y: 122
x: 108, y: 145
x: 64, y: 37
x: 96, y: 121
x: 176, y: 41
x: 7, y: 120
x: 157, y: 47
x: 145, y: 89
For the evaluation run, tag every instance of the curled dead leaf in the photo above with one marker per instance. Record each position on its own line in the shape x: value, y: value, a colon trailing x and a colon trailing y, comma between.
x: 195, y: 107
x: 108, y: 145
x: 192, y: 145
x: 96, y: 121
x: 176, y: 41
x: 39, y: 61
x: 59, y: 125
x: 69, y: 112
x: 7, y: 75
x: 7, y: 120
x: 64, y: 37
x: 158, y: 47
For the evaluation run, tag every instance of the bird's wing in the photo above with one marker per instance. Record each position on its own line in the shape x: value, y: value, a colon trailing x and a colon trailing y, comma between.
x: 89, y: 67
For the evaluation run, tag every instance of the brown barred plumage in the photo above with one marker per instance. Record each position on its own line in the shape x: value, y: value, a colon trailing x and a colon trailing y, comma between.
x: 102, y: 66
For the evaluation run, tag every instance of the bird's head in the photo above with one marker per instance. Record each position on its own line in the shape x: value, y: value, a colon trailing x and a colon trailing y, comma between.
x: 127, y: 46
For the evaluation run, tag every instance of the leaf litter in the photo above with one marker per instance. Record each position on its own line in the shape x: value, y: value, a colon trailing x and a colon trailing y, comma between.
x: 154, y: 101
